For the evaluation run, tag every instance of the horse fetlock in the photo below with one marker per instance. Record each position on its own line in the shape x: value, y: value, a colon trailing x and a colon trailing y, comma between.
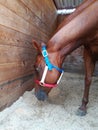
x: 84, y: 102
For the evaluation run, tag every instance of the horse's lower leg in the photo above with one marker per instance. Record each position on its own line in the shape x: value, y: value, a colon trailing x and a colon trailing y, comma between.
x: 83, y: 108
x: 89, y: 69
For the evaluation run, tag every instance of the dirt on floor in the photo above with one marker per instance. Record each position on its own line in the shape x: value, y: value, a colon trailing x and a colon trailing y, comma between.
x: 58, y: 112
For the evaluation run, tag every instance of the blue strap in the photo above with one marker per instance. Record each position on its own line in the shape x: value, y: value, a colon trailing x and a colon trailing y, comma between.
x: 47, y: 61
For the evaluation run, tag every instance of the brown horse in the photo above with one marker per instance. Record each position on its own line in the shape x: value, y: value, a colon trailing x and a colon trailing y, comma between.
x: 80, y: 28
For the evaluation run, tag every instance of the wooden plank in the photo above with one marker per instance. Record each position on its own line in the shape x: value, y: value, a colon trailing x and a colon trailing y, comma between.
x: 10, y: 71
x: 51, y: 10
x: 33, y: 7
x: 12, y: 91
x: 47, y: 8
x: 15, y: 54
x: 51, y: 5
x: 10, y: 86
x: 51, y: 18
x: 38, y: 8
x: 21, y: 10
x: 18, y: 23
x: 11, y: 37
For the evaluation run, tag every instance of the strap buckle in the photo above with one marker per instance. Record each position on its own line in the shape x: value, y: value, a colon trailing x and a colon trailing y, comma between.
x: 44, y: 53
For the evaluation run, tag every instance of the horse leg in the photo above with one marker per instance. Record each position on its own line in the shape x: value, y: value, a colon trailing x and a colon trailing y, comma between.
x: 89, y: 69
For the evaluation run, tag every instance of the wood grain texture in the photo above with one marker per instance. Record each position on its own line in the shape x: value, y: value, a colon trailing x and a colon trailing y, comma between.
x: 20, y: 22
x: 12, y: 90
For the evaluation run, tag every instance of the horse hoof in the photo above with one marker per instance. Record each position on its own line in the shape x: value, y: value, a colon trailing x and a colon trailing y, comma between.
x: 81, y: 112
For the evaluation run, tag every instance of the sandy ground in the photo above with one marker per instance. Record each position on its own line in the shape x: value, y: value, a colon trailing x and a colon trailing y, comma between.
x: 58, y: 112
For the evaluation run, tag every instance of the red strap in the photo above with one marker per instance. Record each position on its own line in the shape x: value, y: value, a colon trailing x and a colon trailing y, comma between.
x: 45, y: 84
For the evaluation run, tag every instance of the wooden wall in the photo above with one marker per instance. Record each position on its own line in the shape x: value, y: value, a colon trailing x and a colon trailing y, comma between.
x: 20, y: 22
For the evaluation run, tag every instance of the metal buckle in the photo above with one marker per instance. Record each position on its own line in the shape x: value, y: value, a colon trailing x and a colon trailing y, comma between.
x: 44, y: 53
